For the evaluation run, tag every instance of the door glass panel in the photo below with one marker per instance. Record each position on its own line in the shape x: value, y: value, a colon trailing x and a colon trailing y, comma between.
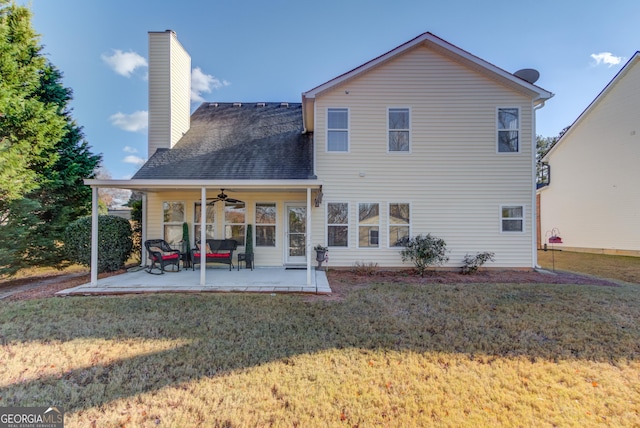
x: 297, y: 224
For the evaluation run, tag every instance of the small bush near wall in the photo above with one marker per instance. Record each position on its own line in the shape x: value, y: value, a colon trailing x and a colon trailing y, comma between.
x: 114, y: 247
x: 425, y: 251
x: 471, y: 264
x: 364, y: 269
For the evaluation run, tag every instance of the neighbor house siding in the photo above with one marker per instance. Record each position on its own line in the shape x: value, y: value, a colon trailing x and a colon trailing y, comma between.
x: 169, y: 89
x: 264, y: 256
x: 594, y: 197
x: 454, y: 179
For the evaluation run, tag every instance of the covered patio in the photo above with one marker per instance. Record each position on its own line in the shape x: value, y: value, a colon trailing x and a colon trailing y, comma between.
x: 260, y: 280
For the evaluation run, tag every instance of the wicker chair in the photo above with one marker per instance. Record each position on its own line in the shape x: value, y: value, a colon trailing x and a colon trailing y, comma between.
x: 161, y: 255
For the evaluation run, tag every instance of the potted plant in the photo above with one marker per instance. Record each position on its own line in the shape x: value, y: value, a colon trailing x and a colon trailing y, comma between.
x: 321, y: 254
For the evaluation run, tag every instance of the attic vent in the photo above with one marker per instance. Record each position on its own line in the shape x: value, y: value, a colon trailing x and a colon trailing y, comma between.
x: 261, y: 104
x: 237, y: 104
x: 285, y: 105
x: 213, y: 105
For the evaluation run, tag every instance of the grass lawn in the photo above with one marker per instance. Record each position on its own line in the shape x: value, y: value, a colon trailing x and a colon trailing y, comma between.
x: 388, y: 354
x: 623, y: 268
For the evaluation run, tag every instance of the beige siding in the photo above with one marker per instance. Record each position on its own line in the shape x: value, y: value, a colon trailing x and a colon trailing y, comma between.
x: 264, y: 256
x: 453, y: 177
x: 594, y: 195
x: 169, y: 90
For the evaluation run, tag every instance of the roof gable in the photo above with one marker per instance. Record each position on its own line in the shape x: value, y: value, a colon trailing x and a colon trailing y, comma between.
x: 634, y: 61
x: 433, y: 42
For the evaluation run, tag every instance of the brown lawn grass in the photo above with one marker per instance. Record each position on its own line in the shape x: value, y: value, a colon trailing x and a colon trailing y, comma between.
x: 388, y: 354
x: 623, y: 268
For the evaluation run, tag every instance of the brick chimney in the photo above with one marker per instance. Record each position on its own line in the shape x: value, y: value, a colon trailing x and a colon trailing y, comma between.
x: 169, y: 90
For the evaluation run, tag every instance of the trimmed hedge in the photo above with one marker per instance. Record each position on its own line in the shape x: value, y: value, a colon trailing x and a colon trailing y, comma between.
x: 114, y: 242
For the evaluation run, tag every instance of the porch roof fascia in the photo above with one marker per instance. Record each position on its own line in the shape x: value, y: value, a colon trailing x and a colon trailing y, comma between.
x: 159, y: 184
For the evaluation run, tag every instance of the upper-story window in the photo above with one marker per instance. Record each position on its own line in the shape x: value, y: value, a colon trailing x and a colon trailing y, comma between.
x: 338, y: 130
x: 508, y: 130
x: 399, y: 130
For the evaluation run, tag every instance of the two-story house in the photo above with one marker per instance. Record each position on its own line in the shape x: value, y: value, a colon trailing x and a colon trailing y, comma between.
x: 426, y: 138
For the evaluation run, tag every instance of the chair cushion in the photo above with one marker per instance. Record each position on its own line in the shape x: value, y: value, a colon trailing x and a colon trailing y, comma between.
x: 168, y: 257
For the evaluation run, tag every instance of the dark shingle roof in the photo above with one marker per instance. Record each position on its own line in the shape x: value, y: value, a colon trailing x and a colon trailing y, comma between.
x: 229, y: 142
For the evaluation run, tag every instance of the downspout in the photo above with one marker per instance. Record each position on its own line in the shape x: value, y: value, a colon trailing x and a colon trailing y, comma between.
x: 534, y: 211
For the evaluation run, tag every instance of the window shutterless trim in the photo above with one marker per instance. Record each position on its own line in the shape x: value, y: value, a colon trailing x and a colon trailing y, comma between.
x: 275, y: 225
x: 359, y: 225
x: 327, y: 224
x: 498, y: 130
x: 522, y: 219
x: 347, y: 129
x: 408, y: 130
x: 389, y: 225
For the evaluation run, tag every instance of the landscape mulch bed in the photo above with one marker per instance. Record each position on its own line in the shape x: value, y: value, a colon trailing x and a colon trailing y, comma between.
x: 341, y: 281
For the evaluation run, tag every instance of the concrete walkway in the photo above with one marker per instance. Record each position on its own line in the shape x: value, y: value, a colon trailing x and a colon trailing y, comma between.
x: 260, y: 280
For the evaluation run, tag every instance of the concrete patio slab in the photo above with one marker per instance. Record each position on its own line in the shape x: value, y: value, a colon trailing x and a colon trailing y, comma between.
x: 260, y: 280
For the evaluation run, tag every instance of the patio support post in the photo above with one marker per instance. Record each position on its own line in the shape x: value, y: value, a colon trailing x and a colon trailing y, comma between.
x: 203, y: 235
x: 308, y: 243
x: 143, y: 255
x: 94, y: 236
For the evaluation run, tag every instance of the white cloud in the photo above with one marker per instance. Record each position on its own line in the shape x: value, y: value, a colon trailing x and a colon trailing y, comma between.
x: 136, y: 160
x: 124, y: 63
x: 607, y: 58
x: 134, y: 122
x: 201, y: 82
x: 129, y: 149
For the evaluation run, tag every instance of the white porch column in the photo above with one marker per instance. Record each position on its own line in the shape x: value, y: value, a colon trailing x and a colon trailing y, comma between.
x: 143, y: 253
x: 94, y: 236
x: 309, y: 245
x: 203, y: 235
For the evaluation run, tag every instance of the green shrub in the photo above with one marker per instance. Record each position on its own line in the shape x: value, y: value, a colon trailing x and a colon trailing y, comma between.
x: 473, y: 263
x: 425, y: 251
x: 114, y: 242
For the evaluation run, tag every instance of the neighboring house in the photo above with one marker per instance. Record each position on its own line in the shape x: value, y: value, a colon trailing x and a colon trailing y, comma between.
x: 426, y: 138
x: 593, y: 194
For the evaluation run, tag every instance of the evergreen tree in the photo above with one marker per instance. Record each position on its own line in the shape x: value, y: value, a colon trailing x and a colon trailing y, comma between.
x: 42, y: 162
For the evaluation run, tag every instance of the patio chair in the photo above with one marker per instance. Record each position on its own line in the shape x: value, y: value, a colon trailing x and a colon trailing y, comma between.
x: 161, y: 255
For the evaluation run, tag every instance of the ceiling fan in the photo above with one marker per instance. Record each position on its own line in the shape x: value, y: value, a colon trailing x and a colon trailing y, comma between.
x: 223, y: 197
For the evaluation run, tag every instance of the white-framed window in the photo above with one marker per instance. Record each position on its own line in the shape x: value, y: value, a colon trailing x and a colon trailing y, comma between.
x: 508, y: 130
x: 399, y: 224
x: 399, y: 129
x: 337, y: 224
x: 512, y: 218
x: 209, y: 221
x: 266, y: 224
x: 368, y: 225
x: 338, y: 130
x: 173, y: 216
x: 235, y: 221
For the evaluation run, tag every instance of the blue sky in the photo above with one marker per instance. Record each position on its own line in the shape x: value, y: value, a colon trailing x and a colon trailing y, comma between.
x: 256, y: 50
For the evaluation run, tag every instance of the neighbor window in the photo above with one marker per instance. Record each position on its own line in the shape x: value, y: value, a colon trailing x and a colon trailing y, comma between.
x: 399, y: 134
x: 338, y: 130
x: 399, y: 224
x: 368, y: 225
x: 210, y: 220
x: 512, y: 218
x: 266, y: 225
x: 234, y: 221
x: 337, y: 224
x: 508, y: 130
x: 173, y: 217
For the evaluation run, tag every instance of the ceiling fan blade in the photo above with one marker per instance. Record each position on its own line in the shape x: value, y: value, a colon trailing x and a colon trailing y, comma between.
x: 233, y: 201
